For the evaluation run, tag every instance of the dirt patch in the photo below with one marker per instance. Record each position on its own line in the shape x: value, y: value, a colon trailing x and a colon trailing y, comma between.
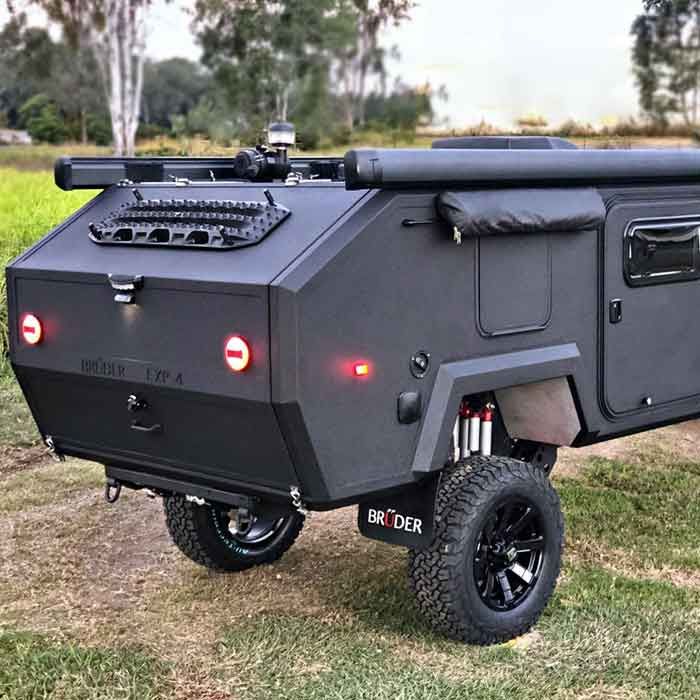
x: 109, y: 575
x: 623, y: 562
x: 608, y: 692
x: 17, y: 459
x: 680, y: 441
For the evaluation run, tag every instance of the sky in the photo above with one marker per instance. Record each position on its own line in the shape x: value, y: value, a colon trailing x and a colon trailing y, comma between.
x: 498, y: 59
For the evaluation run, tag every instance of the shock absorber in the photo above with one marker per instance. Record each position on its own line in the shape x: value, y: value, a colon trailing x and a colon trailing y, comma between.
x: 474, y: 432
x: 455, y: 440
x: 465, y: 414
x: 487, y: 429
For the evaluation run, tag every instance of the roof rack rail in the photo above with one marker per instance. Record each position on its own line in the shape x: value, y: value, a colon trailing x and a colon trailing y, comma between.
x: 96, y: 173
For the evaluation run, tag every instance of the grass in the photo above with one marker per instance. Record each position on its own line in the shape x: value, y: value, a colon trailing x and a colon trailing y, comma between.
x: 648, y: 508
x: 629, y: 638
x: 30, y: 205
x: 335, y: 619
x: 42, y: 156
x: 33, y: 667
x: 17, y: 427
x: 51, y: 483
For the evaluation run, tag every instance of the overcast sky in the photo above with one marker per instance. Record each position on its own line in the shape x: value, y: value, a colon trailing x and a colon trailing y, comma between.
x: 498, y: 59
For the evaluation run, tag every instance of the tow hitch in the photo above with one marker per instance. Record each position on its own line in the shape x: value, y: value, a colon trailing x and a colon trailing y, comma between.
x: 113, y: 489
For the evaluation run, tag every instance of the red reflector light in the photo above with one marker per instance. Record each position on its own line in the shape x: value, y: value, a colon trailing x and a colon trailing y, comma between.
x: 32, y: 332
x: 237, y: 353
x: 360, y: 369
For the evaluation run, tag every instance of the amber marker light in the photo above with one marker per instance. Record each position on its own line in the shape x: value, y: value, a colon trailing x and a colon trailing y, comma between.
x: 361, y: 369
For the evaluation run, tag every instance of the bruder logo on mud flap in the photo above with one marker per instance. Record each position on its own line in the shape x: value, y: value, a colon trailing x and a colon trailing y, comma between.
x: 394, y: 521
x: 404, y: 518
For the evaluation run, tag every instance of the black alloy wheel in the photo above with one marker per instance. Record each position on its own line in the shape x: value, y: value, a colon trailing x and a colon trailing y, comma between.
x: 508, y: 555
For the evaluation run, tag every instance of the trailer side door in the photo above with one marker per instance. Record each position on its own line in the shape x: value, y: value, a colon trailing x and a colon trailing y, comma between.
x: 651, y: 301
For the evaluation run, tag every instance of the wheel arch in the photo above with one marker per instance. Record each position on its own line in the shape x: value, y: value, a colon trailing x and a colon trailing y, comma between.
x: 521, y: 381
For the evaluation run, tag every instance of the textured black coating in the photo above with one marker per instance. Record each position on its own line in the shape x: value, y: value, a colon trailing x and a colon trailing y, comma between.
x: 344, y: 280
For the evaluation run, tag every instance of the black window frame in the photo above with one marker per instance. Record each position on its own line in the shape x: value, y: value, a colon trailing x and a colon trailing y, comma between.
x: 669, y: 277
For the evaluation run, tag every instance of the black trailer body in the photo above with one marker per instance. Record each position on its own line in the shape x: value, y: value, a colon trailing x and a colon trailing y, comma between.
x: 554, y: 289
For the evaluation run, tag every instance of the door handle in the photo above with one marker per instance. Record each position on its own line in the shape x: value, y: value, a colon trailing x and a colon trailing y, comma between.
x: 155, y: 428
x: 616, y: 311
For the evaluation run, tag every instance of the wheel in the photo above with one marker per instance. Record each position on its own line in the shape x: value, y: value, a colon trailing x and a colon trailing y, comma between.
x: 206, y: 534
x: 495, y: 558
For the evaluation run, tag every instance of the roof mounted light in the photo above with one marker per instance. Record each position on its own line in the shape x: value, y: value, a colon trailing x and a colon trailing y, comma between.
x: 281, y: 135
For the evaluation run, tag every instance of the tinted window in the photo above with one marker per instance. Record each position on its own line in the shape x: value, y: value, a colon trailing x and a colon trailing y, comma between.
x: 657, y: 253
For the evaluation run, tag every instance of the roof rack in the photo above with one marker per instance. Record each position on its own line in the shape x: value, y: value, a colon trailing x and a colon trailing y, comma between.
x: 92, y: 173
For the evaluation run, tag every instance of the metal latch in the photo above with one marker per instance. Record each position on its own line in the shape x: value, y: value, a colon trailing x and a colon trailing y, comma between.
x: 125, y: 286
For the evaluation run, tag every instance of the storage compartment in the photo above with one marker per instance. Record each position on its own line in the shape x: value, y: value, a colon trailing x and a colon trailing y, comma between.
x: 167, y: 337
x: 195, y: 437
x: 515, y: 284
x: 148, y: 383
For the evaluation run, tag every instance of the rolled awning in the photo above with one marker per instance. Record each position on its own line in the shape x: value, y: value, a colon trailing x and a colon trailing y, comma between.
x: 522, y: 211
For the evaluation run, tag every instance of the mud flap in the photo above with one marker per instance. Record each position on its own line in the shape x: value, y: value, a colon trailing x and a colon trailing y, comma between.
x: 405, y: 517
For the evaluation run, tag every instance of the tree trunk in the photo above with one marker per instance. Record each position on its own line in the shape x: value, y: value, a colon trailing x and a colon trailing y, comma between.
x: 83, y: 126
x: 120, y: 55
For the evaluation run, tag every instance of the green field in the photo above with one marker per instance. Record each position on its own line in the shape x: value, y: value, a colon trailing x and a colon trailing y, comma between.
x: 30, y: 205
x: 96, y: 603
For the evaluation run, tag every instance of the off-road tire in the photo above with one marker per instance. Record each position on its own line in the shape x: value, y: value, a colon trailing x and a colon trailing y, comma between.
x: 442, y: 575
x: 198, y: 533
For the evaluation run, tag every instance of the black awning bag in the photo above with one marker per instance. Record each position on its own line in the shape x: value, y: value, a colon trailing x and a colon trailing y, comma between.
x: 522, y: 211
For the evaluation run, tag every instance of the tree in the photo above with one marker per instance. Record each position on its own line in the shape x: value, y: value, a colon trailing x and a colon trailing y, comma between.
x: 26, y: 57
x: 42, y: 119
x: 275, y: 58
x: 666, y: 59
x: 172, y: 88
x: 120, y: 52
x: 31, y: 64
x: 76, y: 18
x: 366, y: 56
x: 404, y: 109
x: 265, y: 53
x: 115, y: 32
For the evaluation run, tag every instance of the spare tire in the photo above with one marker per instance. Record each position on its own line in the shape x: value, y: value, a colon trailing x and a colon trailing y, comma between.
x: 206, y: 535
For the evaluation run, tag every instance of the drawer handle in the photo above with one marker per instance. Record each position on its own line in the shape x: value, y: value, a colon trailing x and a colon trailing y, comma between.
x: 155, y: 428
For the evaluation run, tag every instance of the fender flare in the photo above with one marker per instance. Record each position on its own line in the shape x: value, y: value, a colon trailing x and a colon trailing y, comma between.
x: 457, y: 379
